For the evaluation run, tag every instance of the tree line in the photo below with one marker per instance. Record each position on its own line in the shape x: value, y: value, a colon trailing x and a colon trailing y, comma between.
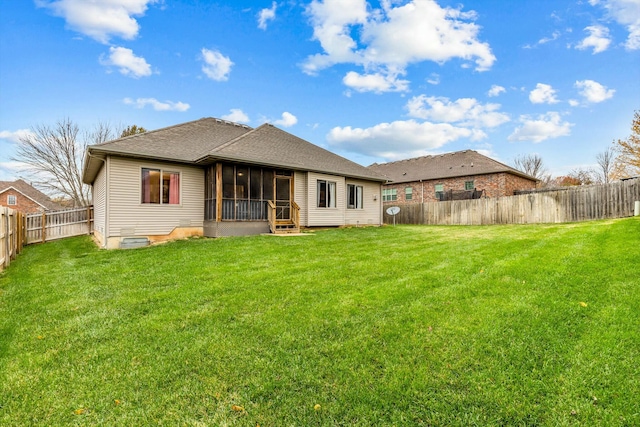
x: 618, y: 161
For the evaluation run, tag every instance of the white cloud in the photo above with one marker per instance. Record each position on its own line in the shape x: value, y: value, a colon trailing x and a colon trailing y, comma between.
x: 100, y: 19
x: 593, y: 91
x: 216, y: 65
x: 626, y: 13
x: 538, y: 129
x: 267, y: 15
x: 127, y: 62
x: 10, y: 170
x: 287, y: 120
x: 377, y: 82
x: 399, y: 139
x: 543, y: 94
x: 236, y: 115
x: 434, y: 79
x: 157, y: 105
x: 554, y: 36
x: 496, y: 90
x: 633, y: 41
x: 598, y: 39
x: 392, y: 37
x: 466, y: 112
x: 331, y: 20
x: 14, y: 136
x: 574, y: 102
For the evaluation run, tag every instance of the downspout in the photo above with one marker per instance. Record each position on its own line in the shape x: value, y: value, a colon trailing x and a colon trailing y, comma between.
x: 106, y: 200
x: 422, y: 197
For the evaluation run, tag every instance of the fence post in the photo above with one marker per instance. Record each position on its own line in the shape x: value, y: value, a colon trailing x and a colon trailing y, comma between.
x: 89, y: 219
x: 3, y: 237
x: 44, y: 227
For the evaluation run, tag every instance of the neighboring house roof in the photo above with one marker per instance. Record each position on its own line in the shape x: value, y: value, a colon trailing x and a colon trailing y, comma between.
x: 441, y: 166
x: 29, y: 192
x: 208, y: 140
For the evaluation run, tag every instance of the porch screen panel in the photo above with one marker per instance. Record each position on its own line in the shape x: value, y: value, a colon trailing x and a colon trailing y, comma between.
x: 228, y: 192
x: 242, y: 193
x: 210, y: 194
x: 256, y: 204
x: 246, y: 191
x: 267, y: 185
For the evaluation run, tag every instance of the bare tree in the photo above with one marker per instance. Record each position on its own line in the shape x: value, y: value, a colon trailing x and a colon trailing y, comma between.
x: 533, y: 165
x: 582, y: 176
x: 53, y: 158
x: 628, y: 161
x: 606, y: 160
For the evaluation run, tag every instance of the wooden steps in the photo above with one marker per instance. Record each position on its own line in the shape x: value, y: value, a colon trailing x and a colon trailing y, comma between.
x: 286, y: 227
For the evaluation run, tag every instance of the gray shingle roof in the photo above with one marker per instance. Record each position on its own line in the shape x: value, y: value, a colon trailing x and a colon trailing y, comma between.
x: 30, y: 192
x: 208, y: 140
x: 186, y: 142
x: 440, y: 166
x: 267, y: 145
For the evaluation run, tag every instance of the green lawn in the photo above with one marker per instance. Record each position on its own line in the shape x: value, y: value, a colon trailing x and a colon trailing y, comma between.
x: 406, y: 325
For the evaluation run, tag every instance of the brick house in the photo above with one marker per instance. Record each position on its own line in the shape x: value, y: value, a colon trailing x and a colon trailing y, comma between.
x: 22, y: 197
x: 458, y: 175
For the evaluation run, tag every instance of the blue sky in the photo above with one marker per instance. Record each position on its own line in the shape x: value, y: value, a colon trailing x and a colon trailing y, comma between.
x: 373, y: 81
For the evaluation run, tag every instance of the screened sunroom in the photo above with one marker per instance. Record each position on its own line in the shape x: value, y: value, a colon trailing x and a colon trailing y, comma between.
x: 242, y: 199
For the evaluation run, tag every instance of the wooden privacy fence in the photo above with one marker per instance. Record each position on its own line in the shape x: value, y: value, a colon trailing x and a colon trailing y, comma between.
x: 17, y: 229
x: 11, y: 235
x: 615, y: 200
x: 52, y: 225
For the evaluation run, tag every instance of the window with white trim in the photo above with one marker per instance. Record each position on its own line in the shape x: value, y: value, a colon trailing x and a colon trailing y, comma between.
x: 408, y: 193
x: 354, y: 196
x: 12, y: 200
x: 468, y: 185
x: 160, y: 187
x: 326, y: 194
x: 389, y: 195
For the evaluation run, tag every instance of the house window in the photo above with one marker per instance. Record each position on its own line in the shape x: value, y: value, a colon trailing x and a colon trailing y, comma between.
x: 389, y: 194
x: 408, y: 193
x: 468, y: 185
x: 326, y: 194
x: 160, y: 187
x: 11, y: 200
x: 354, y: 196
x: 439, y: 191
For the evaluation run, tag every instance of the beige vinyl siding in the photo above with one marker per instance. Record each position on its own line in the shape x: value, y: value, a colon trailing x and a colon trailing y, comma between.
x: 300, y: 195
x: 325, y: 216
x: 128, y: 216
x: 98, y: 191
x: 371, y: 213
